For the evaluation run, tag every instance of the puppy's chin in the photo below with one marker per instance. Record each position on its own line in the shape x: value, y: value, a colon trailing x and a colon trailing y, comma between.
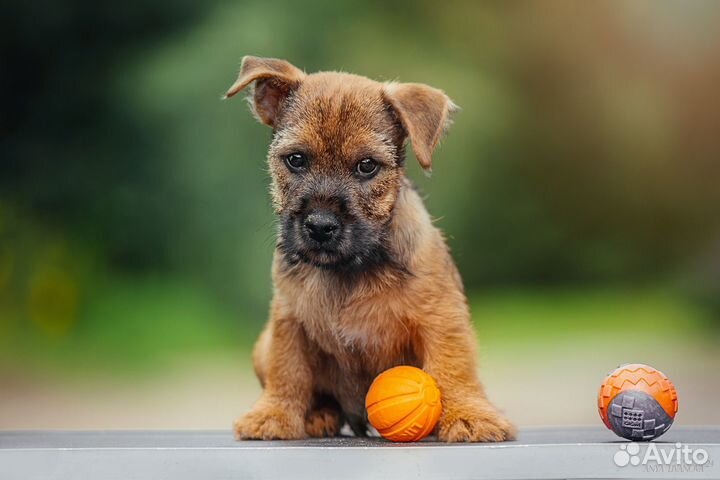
x: 300, y: 250
x: 321, y: 258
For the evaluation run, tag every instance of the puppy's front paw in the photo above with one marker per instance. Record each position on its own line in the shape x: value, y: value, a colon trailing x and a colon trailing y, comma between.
x: 269, y: 423
x: 474, y: 424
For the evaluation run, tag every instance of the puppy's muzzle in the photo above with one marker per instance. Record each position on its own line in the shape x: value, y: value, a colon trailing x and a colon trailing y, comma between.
x: 322, y: 226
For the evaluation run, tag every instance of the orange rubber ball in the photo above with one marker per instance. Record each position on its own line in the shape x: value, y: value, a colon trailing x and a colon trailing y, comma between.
x: 403, y: 404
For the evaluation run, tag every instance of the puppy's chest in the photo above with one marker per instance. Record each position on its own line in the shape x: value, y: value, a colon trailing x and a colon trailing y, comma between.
x: 351, y: 326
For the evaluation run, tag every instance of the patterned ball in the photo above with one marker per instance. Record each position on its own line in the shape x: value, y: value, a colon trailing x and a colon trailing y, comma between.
x: 637, y: 402
x: 403, y: 404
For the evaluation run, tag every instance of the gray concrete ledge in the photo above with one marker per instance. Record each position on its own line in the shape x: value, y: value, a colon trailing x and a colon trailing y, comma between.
x: 545, y: 453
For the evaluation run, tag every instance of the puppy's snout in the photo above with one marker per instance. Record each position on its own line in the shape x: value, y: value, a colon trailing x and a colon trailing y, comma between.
x: 322, y: 225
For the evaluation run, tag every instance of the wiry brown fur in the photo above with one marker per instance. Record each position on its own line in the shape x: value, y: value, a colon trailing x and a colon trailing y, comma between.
x: 332, y: 329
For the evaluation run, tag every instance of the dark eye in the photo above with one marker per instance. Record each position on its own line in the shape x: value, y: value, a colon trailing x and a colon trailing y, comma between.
x: 296, y: 162
x: 367, y: 168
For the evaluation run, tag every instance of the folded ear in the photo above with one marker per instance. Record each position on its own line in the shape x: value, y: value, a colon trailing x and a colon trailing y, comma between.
x: 424, y: 113
x: 274, y: 81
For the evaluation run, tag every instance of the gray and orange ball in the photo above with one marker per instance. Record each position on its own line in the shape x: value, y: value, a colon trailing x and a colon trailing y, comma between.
x: 637, y: 402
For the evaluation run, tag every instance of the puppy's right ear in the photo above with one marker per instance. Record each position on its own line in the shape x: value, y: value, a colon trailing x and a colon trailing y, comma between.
x: 274, y: 81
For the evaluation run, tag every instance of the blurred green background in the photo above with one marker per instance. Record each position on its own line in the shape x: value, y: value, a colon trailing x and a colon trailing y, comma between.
x: 579, y: 189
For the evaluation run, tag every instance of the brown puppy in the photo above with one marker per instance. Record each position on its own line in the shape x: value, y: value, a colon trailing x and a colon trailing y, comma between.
x: 363, y: 280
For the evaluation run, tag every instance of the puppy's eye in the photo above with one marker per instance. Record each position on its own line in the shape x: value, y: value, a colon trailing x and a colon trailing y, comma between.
x: 296, y: 162
x: 367, y: 168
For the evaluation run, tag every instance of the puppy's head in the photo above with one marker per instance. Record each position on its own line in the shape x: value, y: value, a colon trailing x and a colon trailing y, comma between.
x: 336, y: 157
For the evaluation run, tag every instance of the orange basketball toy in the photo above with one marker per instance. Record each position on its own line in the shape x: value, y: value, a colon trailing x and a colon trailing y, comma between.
x: 403, y: 404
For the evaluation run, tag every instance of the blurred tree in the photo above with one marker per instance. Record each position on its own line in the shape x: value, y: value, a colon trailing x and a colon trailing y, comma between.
x: 68, y: 152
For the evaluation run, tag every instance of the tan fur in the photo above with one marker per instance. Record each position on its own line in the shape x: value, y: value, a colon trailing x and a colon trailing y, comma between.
x: 329, y: 335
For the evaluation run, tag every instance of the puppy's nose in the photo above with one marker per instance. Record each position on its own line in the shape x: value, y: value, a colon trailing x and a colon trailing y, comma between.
x: 321, y: 226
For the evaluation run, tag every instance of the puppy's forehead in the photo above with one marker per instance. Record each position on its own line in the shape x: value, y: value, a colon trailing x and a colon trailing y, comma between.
x: 336, y: 94
x: 338, y: 114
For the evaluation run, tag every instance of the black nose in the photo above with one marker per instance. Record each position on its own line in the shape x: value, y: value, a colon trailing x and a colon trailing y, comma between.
x: 321, y: 226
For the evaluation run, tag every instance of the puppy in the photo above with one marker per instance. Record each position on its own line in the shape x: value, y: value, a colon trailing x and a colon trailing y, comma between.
x: 363, y: 281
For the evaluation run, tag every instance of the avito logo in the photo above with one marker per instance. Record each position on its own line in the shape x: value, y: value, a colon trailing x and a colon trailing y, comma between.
x: 679, y: 454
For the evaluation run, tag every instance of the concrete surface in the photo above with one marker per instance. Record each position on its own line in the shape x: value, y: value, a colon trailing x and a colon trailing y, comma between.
x: 539, y: 453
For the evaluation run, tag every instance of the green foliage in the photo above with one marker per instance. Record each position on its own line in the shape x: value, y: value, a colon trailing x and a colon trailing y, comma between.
x: 516, y: 318
x: 130, y: 326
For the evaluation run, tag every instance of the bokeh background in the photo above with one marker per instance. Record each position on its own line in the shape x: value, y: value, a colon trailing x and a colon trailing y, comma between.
x: 579, y: 189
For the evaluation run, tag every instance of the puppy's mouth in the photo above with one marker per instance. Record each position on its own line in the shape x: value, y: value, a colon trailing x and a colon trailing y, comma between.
x: 321, y: 257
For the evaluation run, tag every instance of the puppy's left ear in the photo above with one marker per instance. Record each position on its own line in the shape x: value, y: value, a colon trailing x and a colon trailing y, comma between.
x: 424, y: 113
x: 274, y: 79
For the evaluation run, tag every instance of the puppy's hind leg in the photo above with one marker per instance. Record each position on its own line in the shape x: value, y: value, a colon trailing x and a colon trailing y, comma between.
x: 260, y: 353
x: 325, y: 418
